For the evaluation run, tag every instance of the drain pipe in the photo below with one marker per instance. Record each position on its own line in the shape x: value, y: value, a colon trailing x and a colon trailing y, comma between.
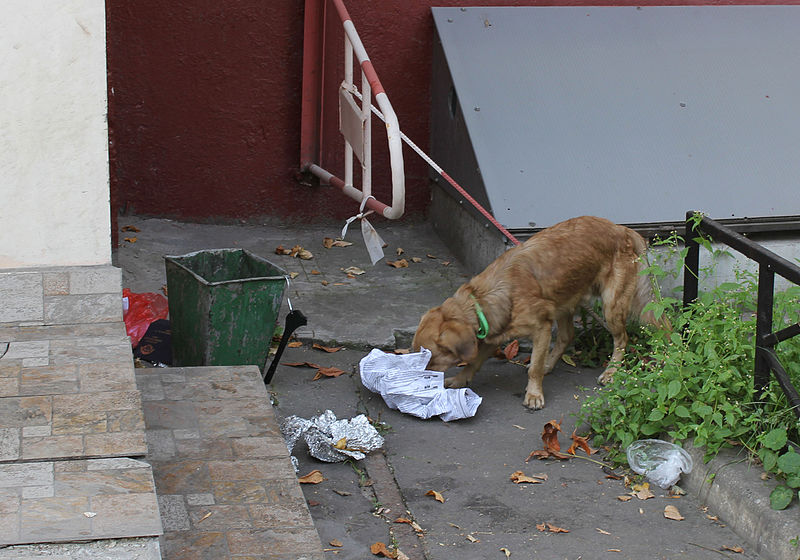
x: 313, y: 68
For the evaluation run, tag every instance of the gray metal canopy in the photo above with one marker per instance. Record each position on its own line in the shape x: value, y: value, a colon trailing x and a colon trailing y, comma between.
x: 634, y: 114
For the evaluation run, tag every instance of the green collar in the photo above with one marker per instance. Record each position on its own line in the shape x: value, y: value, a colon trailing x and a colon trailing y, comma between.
x: 483, y: 324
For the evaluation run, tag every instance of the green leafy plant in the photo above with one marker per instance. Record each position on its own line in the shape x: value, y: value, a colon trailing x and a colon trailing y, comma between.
x: 695, y: 381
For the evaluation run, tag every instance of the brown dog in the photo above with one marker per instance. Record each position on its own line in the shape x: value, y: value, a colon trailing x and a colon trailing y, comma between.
x: 530, y: 287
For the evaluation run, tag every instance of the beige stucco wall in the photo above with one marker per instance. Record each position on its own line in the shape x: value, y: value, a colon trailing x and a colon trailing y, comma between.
x: 54, y: 194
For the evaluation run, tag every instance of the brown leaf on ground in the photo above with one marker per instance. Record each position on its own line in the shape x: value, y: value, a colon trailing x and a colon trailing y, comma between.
x: 436, y: 495
x: 414, y: 524
x: 518, y: 477
x: 624, y: 498
x: 281, y: 250
x: 580, y: 442
x: 416, y: 260
x: 430, y: 256
x: 130, y: 239
x: 551, y: 528
x: 329, y: 349
x: 329, y: 242
x: 301, y: 364
x: 506, y: 552
x: 336, y: 542
x: 736, y: 549
x: 353, y: 271
x: 550, y: 436
x: 671, y: 512
x: 379, y: 549
x: 400, y: 251
x: 642, y: 491
x: 328, y: 372
x: 314, y: 477
x: 134, y: 229
x: 401, y: 263
x: 511, y: 350
x: 316, y: 272
x: 295, y: 344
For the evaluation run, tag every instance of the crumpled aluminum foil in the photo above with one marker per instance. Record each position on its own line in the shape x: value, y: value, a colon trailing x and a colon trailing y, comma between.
x: 323, y: 433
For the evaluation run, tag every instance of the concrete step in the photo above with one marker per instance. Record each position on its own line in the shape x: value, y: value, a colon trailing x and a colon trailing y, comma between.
x: 225, y: 483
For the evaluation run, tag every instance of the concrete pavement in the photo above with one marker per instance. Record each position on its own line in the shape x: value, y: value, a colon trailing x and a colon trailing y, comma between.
x: 468, y: 461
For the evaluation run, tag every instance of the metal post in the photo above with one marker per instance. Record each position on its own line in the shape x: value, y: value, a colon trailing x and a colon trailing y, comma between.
x: 691, y: 265
x: 766, y: 289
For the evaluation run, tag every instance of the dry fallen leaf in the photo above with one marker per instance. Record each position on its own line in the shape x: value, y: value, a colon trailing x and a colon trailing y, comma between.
x: 329, y: 349
x: 551, y: 528
x: 671, y: 512
x: 436, y: 495
x: 642, y: 491
x: 314, y: 477
x: 294, y: 275
x: 379, y: 549
x: 506, y: 552
x: 301, y: 364
x: 599, y: 530
x: 511, y: 350
x: 206, y: 516
x: 430, y: 256
x: 624, y: 498
x: 336, y: 542
x: 353, y: 271
x: 400, y: 251
x: 401, y: 263
x: 416, y: 260
x: 472, y: 539
x: 328, y: 372
x: 329, y: 242
x: 578, y: 441
x: 295, y: 344
x: 341, y: 444
x: 130, y: 239
x: 519, y: 477
x: 316, y: 272
x: 414, y: 524
x: 134, y: 229
x: 736, y: 549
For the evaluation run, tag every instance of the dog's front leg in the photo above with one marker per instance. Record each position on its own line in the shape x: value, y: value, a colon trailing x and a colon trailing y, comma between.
x: 534, y: 393
x: 463, y: 377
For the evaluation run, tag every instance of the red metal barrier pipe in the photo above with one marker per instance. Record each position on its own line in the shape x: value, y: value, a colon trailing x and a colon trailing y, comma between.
x: 312, y: 83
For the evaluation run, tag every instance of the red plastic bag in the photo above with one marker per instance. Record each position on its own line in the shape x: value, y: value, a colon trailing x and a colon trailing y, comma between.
x: 141, y: 310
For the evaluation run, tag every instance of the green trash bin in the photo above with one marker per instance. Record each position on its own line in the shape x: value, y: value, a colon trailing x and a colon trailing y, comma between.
x: 223, y: 306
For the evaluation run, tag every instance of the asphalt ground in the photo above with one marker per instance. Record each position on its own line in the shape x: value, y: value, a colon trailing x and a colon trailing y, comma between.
x: 470, y: 461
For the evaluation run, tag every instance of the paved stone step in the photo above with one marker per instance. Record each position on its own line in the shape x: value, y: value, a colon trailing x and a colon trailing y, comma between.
x: 62, y: 501
x: 225, y: 483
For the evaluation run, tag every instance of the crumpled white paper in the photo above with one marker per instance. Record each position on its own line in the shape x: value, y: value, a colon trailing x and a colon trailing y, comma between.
x: 407, y: 386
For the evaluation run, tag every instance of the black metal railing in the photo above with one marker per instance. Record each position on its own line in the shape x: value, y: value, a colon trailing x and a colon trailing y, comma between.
x: 769, y: 264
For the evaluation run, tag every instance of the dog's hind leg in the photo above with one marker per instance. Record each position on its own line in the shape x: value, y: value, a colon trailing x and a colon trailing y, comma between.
x: 534, y: 394
x: 463, y: 377
x: 616, y: 307
x: 564, y: 337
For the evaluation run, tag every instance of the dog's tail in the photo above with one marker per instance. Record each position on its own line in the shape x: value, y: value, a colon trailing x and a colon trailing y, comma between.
x: 644, y: 289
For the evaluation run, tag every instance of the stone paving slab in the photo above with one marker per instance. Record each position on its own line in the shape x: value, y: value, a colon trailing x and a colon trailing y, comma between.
x: 225, y: 484
x: 59, y: 501
x: 107, y: 424
x: 64, y: 295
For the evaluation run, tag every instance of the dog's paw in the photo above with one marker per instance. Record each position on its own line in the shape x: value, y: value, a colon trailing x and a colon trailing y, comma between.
x: 455, y: 382
x: 607, y: 376
x: 533, y: 400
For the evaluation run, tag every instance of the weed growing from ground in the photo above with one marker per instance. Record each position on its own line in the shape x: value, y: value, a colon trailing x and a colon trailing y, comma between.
x: 696, y: 382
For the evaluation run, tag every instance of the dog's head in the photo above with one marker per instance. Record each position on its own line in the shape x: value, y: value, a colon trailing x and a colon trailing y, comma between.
x: 449, y: 337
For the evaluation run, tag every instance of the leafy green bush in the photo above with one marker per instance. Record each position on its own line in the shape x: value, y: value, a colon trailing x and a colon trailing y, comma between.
x: 697, y: 381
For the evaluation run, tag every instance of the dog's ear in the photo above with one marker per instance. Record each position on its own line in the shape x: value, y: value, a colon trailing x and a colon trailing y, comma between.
x: 459, y: 339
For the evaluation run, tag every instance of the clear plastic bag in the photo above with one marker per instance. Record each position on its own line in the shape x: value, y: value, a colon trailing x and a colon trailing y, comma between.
x: 660, y: 461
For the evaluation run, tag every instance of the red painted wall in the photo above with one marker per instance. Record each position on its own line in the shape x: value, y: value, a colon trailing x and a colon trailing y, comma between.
x: 204, y: 104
